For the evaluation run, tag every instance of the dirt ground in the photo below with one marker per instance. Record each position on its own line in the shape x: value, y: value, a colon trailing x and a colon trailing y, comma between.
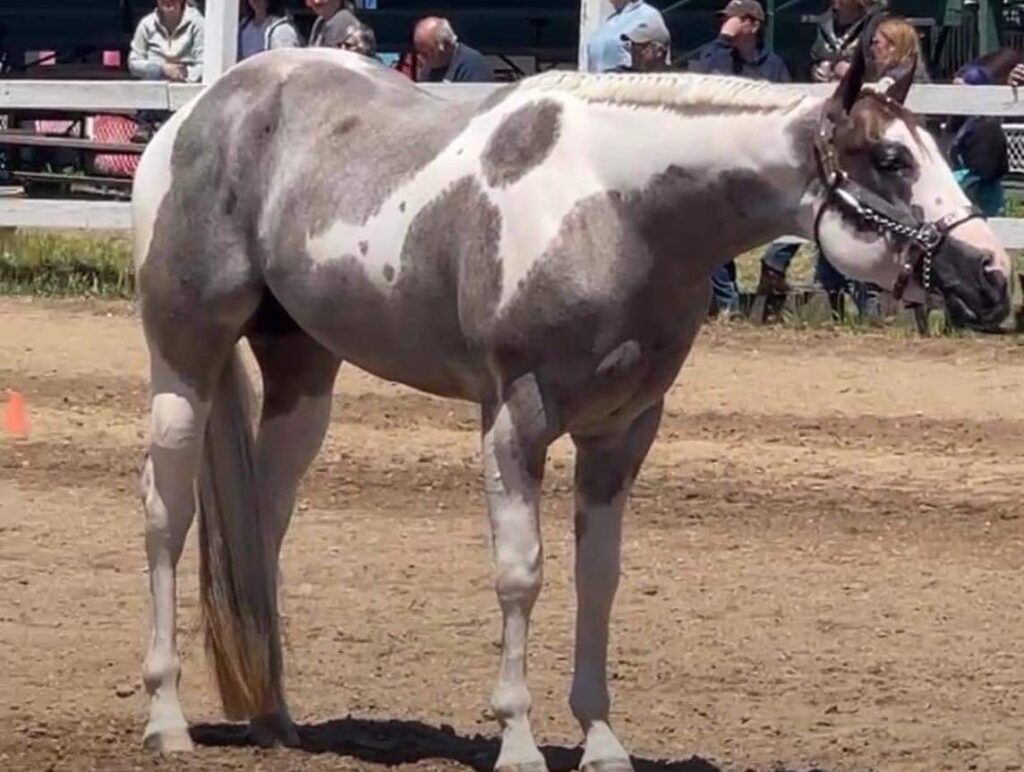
x: 822, y: 567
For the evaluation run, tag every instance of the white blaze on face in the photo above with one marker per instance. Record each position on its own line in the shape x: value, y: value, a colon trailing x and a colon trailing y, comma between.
x: 936, y: 193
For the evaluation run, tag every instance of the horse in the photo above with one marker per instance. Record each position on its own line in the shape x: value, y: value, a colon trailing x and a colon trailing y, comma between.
x: 543, y: 252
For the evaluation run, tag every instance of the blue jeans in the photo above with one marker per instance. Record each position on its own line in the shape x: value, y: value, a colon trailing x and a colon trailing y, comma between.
x: 724, y: 291
x: 779, y: 256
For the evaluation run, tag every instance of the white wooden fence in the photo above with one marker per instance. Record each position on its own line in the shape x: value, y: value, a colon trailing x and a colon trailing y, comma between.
x: 219, y: 53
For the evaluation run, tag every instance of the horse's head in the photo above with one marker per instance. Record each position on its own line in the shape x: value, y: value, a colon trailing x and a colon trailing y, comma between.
x: 890, y: 211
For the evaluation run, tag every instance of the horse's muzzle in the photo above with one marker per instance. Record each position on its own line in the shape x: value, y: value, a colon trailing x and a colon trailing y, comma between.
x: 977, y: 294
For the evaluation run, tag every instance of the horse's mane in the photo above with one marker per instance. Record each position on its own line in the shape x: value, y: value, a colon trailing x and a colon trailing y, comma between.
x: 678, y: 91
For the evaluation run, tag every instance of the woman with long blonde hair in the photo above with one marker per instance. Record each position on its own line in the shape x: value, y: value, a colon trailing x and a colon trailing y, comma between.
x: 895, y: 49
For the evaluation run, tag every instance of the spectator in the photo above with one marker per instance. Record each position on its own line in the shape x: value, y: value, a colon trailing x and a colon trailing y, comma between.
x: 650, y: 46
x: 334, y: 20
x: 168, y: 44
x: 1001, y: 64
x: 606, y: 51
x: 844, y: 26
x: 265, y: 25
x: 737, y: 51
x: 442, y: 57
x: 895, y: 50
x: 977, y: 150
x: 361, y: 40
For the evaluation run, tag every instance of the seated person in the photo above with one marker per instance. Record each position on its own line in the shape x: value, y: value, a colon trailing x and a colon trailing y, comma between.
x: 334, y: 20
x: 167, y: 45
x: 265, y: 25
x: 441, y: 56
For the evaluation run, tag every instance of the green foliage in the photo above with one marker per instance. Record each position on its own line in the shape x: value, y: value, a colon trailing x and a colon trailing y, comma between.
x: 63, y: 263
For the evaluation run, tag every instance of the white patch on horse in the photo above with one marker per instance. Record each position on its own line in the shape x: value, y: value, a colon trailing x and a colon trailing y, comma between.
x: 937, y: 193
x: 153, y: 179
x: 598, y: 160
x: 377, y: 244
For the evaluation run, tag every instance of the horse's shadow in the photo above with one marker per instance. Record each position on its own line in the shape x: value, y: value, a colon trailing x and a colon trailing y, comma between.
x: 406, y: 742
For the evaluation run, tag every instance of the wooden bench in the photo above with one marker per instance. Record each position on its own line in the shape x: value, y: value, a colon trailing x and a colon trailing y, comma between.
x: 20, y: 138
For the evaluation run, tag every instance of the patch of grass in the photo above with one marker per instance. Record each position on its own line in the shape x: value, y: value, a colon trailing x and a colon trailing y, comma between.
x: 66, y: 263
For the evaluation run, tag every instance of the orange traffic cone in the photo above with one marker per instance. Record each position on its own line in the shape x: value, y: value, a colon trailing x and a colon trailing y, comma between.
x: 15, y: 419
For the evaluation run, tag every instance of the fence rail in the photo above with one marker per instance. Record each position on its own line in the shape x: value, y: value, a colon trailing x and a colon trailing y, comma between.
x: 116, y: 215
x: 128, y: 96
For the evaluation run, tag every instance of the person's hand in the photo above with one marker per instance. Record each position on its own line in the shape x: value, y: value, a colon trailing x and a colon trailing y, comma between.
x: 174, y: 71
x: 839, y: 70
x: 1016, y: 76
x: 822, y: 72
x: 732, y: 27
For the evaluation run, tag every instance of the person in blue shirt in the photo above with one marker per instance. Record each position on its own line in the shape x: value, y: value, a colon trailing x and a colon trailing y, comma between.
x: 606, y: 50
x: 737, y: 51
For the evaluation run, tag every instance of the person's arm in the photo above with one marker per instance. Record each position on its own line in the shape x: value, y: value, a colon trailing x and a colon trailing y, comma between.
x: 139, y: 64
x: 194, y: 71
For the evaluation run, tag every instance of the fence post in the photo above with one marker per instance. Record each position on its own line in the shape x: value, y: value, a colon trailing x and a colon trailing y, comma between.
x: 220, y: 42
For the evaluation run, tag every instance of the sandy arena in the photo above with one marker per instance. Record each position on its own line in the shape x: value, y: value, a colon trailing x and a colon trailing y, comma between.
x: 822, y: 568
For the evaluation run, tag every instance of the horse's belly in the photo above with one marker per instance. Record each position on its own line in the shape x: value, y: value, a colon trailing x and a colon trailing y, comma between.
x: 404, y: 337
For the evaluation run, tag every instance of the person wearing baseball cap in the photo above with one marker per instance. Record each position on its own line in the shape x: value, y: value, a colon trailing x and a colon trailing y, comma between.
x: 649, y: 45
x: 606, y: 49
x: 737, y: 49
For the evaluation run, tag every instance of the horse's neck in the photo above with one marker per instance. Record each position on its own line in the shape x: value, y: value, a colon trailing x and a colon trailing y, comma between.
x: 745, y: 169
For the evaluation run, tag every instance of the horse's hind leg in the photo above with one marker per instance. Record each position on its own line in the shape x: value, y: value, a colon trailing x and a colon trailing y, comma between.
x: 605, y: 470
x: 298, y: 375
x: 181, y: 400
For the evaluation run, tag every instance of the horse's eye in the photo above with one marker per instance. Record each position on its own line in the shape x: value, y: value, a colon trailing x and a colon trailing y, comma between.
x: 890, y: 158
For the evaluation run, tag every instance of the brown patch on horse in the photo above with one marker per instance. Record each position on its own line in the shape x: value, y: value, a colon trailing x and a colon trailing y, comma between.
x: 521, y: 142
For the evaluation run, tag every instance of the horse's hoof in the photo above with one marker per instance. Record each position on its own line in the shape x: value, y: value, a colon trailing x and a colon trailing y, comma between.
x: 173, y: 740
x: 608, y: 765
x: 274, y: 730
x: 530, y: 766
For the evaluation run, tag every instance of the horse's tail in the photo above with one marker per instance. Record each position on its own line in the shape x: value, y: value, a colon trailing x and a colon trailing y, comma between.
x: 238, y: 588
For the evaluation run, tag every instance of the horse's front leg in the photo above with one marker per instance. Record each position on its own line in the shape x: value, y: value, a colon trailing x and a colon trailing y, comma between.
x: 605, y: 469
x: 515, y: 444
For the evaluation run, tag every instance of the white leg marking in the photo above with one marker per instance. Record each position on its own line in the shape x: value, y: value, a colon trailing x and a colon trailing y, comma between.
x: 169, y: 501
x: 513, y: 500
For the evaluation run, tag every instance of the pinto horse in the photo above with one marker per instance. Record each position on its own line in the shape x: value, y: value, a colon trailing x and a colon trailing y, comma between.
x: 543, y: 252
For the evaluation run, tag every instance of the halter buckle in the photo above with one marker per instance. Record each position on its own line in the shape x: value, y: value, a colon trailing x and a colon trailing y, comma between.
x: 928, y: 237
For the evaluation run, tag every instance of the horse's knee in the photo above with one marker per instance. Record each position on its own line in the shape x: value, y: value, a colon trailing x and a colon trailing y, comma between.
x: 518, y: 573
x: 174, y: 422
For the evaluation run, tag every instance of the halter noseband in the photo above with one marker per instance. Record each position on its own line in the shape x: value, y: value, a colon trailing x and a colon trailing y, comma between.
x: 921, y: 237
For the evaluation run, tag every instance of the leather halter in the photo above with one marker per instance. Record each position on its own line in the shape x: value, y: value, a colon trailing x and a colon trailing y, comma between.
x: 921, y: 238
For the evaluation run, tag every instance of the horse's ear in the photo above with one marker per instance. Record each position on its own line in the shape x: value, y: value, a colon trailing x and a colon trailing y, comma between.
x: 901, y: 86
x: 848, y: 90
